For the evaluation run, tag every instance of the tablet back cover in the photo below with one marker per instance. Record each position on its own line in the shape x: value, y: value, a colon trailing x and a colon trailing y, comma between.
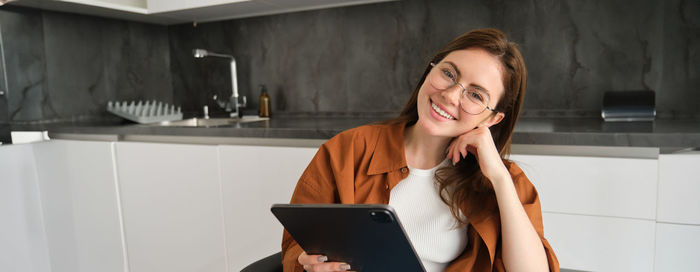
x: 368, y: 237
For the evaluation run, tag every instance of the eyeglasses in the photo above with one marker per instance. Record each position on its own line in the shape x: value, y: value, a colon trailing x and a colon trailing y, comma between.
x: 473, y: 100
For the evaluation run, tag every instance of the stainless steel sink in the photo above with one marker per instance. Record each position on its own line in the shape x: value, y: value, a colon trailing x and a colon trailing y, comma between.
x: 211, y: 122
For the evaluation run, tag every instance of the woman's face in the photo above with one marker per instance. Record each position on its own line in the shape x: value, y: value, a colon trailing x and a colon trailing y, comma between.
x: 439, y: 111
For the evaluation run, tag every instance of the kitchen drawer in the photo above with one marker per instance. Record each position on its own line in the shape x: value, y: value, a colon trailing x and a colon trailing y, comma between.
x: 172, y: 207
x: 593, y: 243
x: 253, y: 178
x: 620, y: 187
x: 677, y: 247
x: 679, y: 185
x: 23, y: 242
x: 80, y: 205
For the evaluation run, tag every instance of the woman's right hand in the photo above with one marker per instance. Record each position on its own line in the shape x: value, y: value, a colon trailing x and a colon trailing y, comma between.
x: 317, y: 263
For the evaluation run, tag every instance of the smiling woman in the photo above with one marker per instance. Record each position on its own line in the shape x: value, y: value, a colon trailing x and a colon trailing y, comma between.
x: 477, y: 213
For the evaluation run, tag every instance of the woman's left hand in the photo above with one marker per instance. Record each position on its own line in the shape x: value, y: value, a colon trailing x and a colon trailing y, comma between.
x: 480, y: 143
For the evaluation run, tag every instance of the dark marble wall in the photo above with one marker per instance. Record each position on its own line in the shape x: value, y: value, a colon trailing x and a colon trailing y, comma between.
x: 680, y: 78
x: 366, y: 60
x: 26, y: 64
x: 64, y: 66
x: 360, y: 60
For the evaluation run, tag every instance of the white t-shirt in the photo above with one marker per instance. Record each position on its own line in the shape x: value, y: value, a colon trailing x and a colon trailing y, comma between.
x: 427, y: 220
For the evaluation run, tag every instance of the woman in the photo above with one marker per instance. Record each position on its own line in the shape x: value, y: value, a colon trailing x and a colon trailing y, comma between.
x: 441, y: 166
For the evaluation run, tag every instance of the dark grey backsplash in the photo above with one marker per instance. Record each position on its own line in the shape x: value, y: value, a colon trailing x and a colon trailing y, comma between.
x: 66, y: 66
x: 359, y: 61
x: 367, y: 59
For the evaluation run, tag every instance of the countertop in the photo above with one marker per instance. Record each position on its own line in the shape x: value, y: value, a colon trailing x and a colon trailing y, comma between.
x: 662, y: 133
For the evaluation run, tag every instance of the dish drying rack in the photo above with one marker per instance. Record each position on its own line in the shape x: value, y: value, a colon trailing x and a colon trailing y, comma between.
x: 145, y: 112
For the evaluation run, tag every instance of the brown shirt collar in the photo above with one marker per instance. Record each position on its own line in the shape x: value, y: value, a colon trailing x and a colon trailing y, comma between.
x: 384, y: 157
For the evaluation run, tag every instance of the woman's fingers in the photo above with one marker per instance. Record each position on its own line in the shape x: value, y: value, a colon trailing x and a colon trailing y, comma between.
x: 322, y: 267
x: 458, y: 148
x: 479, y: 142
x: 318, y: 263
x: 455, y: 154
x: 452, y: 151
x: 305, y: 259
x: 467, y: 143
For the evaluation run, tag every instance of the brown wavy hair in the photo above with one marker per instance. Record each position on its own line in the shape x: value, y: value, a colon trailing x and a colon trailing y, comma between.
x: 463, y: 185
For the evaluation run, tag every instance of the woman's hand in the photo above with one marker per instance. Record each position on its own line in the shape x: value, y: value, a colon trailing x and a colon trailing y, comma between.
x: 317, y: 263
x: 480, y: 143
x: 522, y: 247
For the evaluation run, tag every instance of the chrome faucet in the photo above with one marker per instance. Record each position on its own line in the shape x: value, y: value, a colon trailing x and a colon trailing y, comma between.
x: 232, y: 106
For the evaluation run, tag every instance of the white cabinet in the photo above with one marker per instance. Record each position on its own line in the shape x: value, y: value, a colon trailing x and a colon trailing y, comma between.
x: 677, y: 247
x: 621, y: 187
x: 127, y: 206
x: 156, y: 6
x: 22, y: 238
x: 595, y: 243
x: 254, y: 178
x: 204, y: 208
x: 213, y: 10
x: 172, y: 207
x: 598, y: 212
x: 122, y: 9
x: 679, y: 185
x: 80, y: 205
x: 186, y: 11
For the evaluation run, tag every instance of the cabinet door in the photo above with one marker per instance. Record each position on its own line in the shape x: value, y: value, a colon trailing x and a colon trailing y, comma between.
x: 171, y: 201
x: 679, y: 184
x: 620, y: 187
x: 677, y: 247
x: 157, y: 6
x: 80, y: 205
x: 254, y: 178
x: 593, y: 243
x: 22, y: 238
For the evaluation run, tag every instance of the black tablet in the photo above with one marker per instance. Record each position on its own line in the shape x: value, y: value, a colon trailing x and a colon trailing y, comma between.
x: 368, y: 237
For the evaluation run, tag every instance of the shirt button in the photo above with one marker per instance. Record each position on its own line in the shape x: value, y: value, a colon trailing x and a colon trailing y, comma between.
x: 404, y: 170
x: 386, y: 186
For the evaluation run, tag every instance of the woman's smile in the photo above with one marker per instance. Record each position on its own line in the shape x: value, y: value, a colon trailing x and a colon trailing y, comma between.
x: 442, y: 114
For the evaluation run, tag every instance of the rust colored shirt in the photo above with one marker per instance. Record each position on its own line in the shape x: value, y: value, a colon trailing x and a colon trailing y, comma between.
x: 362, y: 165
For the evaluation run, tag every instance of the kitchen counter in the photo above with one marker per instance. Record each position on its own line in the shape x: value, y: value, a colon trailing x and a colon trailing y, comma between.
x: 664, y: 133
